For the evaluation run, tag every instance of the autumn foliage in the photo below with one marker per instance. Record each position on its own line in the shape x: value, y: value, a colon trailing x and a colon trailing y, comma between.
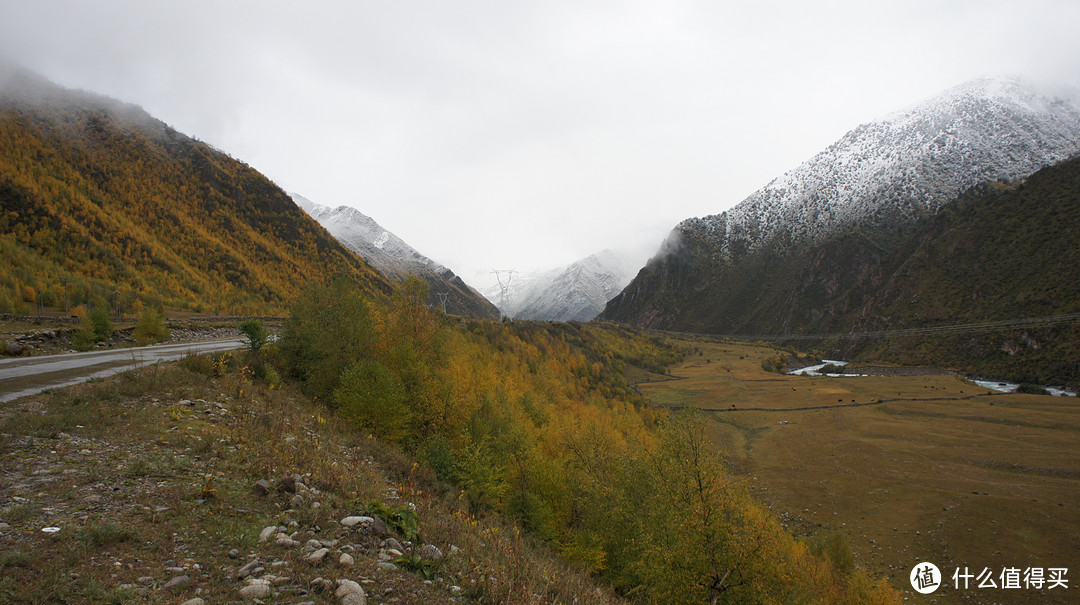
x: 97, y: 197
x: 535, y: 421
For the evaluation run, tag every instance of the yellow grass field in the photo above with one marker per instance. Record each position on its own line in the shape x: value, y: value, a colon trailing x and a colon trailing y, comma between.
x: 933, y: 468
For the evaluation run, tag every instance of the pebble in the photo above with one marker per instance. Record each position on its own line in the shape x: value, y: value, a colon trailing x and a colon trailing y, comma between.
x: 176, y: 582
x: 431, y: 553
x: 317, y: 557
x: 267, y: 532
x: 195, y: 601
x: 346, y: 560
x: 247, y: 569
x: 234, y: 553
x: 261, y: 487
x: 256, y: 591
x: 350, y: 593
x: 352, y: 521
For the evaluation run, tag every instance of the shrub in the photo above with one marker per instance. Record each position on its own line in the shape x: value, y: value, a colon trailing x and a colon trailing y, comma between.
x: 255, y: 332
x: 95, y: 327
x: 151, y: 327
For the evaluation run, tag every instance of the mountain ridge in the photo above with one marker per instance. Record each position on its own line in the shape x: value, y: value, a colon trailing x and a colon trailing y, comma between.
x: 759, y: 267
x: 396, y: 259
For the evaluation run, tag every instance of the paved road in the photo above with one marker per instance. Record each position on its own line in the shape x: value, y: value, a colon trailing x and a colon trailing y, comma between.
x: 28, y: 375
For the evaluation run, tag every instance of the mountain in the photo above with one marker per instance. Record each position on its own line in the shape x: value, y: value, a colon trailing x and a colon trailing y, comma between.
x: 576, y: 292
x: 790, y: 257
x: 397, y: 260
x: 99, y: 201
x: 998, y: 254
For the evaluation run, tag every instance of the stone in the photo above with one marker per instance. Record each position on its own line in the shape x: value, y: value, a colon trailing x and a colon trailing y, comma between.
x: 235, y: 553
x: 256, y: 591
x: 288, y: 542
x: 176, y: 582
x: 317, y: 557
x: 393, y: 544
x: 313, y: 544
x: 247, y: 569
x: 350, y: 593
x: 378, y: 528
x: 431, y: 553
x: 195, y: 601
x: 387, y: 566
x: 296, y: 501
x: 261, y: 487
x: 346, y: 559
x: 267, y: 533
x: 354, y: 520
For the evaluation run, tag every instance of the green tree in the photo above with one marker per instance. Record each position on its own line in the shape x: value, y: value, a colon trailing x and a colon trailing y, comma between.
x: 151, y: 327
x: 255, y: 332
x: 95, y: 327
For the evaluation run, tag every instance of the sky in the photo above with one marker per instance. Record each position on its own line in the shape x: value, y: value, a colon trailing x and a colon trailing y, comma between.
x: 527, y: 135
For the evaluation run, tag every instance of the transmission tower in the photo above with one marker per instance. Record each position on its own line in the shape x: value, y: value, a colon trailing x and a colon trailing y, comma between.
x: 442, y: 300
x: 504, y: 287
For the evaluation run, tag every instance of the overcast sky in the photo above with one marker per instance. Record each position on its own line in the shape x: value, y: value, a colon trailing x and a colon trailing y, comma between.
x: 530, y: 134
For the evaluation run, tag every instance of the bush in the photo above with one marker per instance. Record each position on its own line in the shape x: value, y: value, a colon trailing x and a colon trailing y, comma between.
x: 151, y: 328
x: 255, y: 332
x: 95, y: 327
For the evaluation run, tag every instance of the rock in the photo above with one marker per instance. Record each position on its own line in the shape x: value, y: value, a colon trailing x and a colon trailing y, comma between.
x: 296, y: 501
x: 317, y: 557
x: 256, y: 591
x: 176, y: 582
x: 287, y: 542
x: 387, y: 566
x: 355, y: 520
x: 346, y: 559
x: 431, y: 553
x: 234, y: 553
x: 195, y: 601
x: 313, y: 544
x: 378, y: 528
x: 247, y: 569
x: 393, y: 544
x: 350, y: 593
x: 261, y: 487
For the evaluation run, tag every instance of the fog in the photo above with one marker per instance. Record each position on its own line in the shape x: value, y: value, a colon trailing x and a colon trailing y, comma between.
x: 495, y: 134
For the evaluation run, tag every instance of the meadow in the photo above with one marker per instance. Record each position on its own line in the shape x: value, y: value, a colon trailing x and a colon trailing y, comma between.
x: 903, y: 468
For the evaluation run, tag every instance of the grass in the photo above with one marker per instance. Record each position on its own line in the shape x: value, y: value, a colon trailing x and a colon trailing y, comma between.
x: 942, y: 471
x: 144, y: 471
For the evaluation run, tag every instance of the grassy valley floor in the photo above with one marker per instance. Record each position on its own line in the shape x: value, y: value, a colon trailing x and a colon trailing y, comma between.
x: 905, y: 468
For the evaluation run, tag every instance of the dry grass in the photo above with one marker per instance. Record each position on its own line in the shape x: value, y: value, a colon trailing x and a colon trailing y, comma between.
x: 935, y: 474
x: 145, y: 471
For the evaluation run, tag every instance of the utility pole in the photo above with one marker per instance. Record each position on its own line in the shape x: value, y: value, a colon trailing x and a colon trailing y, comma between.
x: 442, y: 299
x: 504, y: 287
x: 67, y: 309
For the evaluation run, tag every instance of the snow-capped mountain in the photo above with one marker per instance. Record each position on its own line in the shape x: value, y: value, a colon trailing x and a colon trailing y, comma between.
x: 767, y: 264
x: 394, y: 258
x: 904, y: 166
x: 575, y: 292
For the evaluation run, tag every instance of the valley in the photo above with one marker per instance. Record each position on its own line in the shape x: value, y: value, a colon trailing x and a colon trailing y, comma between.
x: 932, y: 468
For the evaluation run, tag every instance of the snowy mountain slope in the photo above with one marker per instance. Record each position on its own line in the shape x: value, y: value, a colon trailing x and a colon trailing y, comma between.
x: 905, y: 166
x: 575, y: 292
x: 776, y: 259
x: 394, y: 258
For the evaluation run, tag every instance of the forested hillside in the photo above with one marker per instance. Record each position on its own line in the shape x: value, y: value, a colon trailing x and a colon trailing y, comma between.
x: 999, y: 253
x: 100, y: 197
x: 537, y: 422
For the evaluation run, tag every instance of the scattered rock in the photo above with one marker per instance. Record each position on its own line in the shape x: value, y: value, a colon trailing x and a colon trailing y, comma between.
x: 261, y: 487
x: 387, y: 566
x: 431, y: 553
x: 317, y: 557
x: 256, y: 591
x: 195, y: 601
x: 355, y: 520
x: 247, y: 569
x: 393, y: 544
x: 378, y: 528
x: 234, y: 553
x: 176, y: 582
x: 346, y: 559
x: 350, y: 593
